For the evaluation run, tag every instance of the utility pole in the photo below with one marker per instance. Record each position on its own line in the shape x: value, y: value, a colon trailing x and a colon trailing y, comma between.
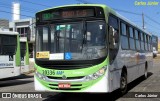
x: 142, y: 20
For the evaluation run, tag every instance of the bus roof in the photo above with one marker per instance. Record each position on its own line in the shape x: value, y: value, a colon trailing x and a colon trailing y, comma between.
x: 72, y: 5
x: 8, y: 33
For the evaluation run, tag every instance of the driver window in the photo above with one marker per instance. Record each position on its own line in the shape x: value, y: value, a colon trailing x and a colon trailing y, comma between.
x: 114, y: 23
x: 114, y: 36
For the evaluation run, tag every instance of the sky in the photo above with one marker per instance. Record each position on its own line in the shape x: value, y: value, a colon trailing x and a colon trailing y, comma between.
x: 126, y: 8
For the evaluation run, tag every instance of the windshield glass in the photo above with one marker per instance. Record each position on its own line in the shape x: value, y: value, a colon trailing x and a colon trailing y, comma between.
x: 72, y: 41
x: 8, y: 44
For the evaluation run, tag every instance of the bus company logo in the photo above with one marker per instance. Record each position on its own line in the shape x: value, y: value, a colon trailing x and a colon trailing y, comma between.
x: 78, y: 72
x: 6, y: 95
x: 64, y: 77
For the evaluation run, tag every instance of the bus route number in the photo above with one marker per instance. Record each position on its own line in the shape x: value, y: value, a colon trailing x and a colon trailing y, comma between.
x: 48, y: 72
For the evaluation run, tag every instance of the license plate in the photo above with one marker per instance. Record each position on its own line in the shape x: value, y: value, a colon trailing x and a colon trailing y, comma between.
x: 64, y: 85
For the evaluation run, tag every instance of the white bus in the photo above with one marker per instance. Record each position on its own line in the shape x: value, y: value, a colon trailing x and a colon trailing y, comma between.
x: 24, y: 54
x: 88, y: 48
x: 9, y: 54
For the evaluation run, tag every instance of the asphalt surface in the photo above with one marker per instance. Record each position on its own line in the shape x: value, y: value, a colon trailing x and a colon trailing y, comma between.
x: 24, y: 83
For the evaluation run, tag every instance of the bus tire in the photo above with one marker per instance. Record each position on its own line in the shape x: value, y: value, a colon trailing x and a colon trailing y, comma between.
x: 123, y: 83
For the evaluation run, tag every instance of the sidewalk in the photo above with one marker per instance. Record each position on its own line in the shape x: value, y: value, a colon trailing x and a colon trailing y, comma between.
x: 31, y: 67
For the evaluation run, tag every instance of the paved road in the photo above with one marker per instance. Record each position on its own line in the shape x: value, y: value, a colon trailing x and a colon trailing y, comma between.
x: 24, y: 83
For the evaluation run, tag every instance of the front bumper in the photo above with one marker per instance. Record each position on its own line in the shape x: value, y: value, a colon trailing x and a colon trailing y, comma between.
x: 99, y: 85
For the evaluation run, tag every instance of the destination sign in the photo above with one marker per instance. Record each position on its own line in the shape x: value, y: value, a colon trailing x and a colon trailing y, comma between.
x: 67, y: 14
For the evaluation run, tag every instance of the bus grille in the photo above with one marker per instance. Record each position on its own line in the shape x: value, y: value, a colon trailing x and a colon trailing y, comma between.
x: 66, y: 67
x: 67, y: 88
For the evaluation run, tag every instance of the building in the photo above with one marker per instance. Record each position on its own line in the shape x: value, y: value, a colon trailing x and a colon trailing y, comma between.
x: 26, y: 28
x: 4, y: 24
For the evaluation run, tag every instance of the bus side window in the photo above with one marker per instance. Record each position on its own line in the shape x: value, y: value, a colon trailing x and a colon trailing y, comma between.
x: 131, y: 39
x: 124, y: 36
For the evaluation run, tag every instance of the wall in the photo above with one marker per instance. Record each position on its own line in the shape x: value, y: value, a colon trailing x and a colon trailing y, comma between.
x: 26, y: 28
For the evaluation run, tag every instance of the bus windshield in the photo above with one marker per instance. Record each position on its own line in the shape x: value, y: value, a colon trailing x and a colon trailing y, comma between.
x: 83, y: 40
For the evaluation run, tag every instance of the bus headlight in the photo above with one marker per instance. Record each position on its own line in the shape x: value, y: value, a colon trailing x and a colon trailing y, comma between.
x: 39, y: 75
x: 97, y: 74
